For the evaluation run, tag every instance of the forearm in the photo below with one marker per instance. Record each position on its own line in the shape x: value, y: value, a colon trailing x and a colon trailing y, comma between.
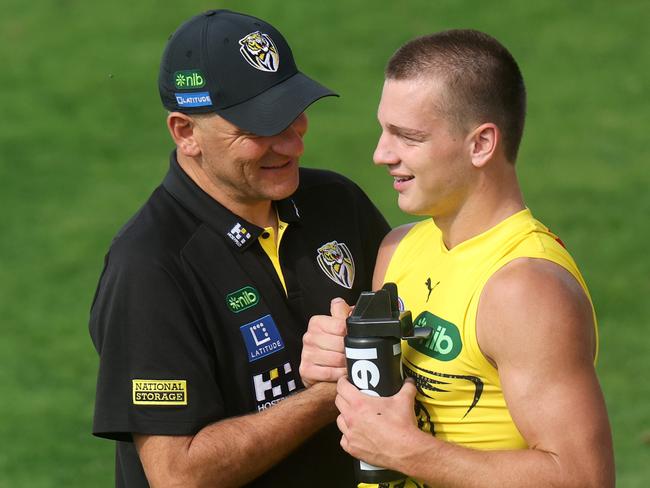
x: 444, y: 465
x: 224, y: 453
x: 384, y: 432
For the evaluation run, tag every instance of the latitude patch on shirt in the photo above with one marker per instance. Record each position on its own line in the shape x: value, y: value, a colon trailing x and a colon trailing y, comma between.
x: 261, y: 337
x: 159, y: 392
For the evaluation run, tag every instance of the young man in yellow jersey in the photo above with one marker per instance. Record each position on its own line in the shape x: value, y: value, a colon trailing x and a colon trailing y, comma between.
x: 504, y: 390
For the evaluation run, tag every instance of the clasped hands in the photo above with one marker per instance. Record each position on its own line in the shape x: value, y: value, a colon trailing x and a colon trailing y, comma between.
x: 374, y: 429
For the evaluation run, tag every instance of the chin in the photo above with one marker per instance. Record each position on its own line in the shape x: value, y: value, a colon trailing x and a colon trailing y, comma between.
x: 410, y: 208
x: 282, y: 191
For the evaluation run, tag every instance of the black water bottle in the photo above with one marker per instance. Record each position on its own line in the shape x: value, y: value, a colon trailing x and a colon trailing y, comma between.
x: 373, y: 352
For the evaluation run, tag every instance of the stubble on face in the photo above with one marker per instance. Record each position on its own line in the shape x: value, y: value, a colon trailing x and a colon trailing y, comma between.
x: 244, y: 167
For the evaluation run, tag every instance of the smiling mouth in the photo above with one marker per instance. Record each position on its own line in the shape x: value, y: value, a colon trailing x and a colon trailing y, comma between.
x: 279, y: 166
x: 401, y: 179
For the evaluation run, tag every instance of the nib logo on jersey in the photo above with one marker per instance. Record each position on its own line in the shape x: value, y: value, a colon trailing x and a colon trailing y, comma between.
x: 273, y: 386
x: 443, y: 344
x: 242, y: 299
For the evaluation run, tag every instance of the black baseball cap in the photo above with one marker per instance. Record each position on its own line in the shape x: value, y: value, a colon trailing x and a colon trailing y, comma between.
x: 239, y: 67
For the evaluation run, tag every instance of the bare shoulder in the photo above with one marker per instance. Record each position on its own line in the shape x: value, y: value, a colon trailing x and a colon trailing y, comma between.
x: 386, y: 250
x: 534, y: 279
x: 535, y: 323
x: 534, y: 303
x: 394, y: 237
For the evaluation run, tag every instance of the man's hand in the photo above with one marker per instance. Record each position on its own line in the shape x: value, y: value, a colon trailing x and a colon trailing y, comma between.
x: 378, y: 430
x: 323, y: 351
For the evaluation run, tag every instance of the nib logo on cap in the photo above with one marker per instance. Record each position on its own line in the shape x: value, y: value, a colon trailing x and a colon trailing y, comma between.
x: 187, y: 80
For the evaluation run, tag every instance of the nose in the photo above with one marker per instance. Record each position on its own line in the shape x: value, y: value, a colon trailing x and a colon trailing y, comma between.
x: 289, y: 142
x: 384, y: 154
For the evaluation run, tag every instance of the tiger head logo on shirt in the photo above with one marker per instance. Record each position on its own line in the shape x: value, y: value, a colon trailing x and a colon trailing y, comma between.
x: 335, y: 259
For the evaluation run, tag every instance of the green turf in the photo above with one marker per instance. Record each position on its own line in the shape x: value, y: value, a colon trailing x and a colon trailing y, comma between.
x: 83, y: 144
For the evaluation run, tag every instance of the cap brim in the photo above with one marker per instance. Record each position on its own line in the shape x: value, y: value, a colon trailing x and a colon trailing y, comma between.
x: 272, y: 111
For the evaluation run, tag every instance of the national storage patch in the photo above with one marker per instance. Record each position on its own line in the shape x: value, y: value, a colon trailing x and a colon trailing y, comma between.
x: 159, y: 392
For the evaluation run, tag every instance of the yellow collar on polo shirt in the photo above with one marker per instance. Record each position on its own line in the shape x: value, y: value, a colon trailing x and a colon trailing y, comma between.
x: 271, y: 246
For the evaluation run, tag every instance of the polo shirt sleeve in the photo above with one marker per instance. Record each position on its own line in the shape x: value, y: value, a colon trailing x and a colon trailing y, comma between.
x: 157, y: 371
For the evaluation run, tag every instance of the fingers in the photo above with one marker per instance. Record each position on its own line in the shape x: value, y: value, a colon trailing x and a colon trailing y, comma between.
x: 343, y: 427
x: 322, y: 325
x: 317, y: 339
x: 313, y: 373
x: 346, y: 390
x: 322, y: 357
x: 340, y: 423
x: 339, y: 308
x: 323, y: 353
x: 341, y: 403
x: 345, y: 444
x: 408, y: 390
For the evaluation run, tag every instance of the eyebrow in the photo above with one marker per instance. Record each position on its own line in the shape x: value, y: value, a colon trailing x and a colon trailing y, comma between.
x: 404, y: 131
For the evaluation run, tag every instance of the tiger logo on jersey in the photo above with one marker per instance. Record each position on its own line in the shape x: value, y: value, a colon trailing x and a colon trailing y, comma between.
x: 335, y: 259
x: 433, y: 385
x: 260, y: 52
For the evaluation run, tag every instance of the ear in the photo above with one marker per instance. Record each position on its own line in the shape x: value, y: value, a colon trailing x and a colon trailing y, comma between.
x: 483, y: 143
x: 182, y: 129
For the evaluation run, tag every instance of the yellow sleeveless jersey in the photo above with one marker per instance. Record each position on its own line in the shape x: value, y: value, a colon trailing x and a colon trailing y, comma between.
x: 459, y: 394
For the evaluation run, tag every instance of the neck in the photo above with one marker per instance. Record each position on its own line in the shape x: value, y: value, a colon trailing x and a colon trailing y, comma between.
x: 259, y: 212
x: 488, y: 205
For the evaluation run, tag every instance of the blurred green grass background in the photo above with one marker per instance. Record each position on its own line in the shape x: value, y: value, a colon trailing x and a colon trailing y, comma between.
x: 83, y: 144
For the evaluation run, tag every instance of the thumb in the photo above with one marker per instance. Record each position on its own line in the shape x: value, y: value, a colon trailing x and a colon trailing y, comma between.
x: 408, y: 389
x: 339, y: 308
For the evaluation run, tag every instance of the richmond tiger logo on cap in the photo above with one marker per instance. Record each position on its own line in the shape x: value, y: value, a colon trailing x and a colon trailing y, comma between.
x: 260, y: 52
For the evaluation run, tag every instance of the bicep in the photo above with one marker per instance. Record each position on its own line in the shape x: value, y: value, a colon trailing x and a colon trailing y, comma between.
x: 536, y: 325
x: 558, y: 407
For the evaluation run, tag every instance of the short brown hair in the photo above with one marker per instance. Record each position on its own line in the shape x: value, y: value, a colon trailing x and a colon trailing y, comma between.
x: 483, y: 82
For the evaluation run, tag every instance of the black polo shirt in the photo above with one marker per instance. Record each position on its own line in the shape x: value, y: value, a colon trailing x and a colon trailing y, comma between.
x: 192, y: 323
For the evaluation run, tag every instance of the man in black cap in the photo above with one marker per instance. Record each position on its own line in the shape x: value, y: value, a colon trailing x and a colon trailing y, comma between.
x: 206, y: 292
